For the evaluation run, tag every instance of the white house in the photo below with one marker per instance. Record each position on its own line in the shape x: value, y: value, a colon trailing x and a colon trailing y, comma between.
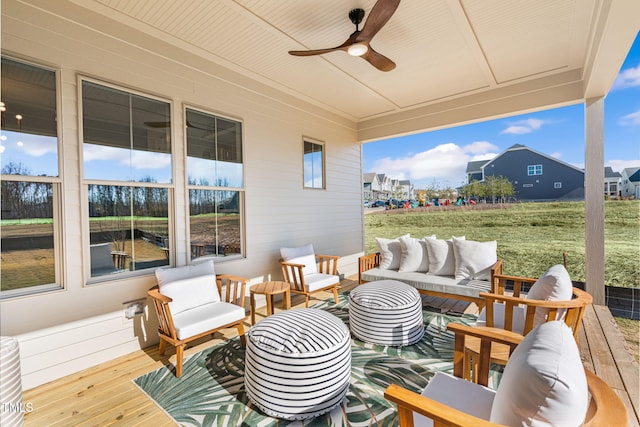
x: 630, y: 182
x: 159, y: 119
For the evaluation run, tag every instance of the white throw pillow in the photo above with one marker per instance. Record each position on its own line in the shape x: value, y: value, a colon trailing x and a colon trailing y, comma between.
x: 442, y: 260
x: 474, y: 259
x: 554, y: 285
x: 190, y: 293
x: 390, y: 252
x: 170, y: 274
x: 414, y: 254
x: 301, y: 255
x: 544, y: 381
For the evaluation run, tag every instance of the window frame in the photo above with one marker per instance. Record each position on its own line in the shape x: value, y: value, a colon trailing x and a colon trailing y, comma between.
x: 557, y: 185
x: 58, y: 192
x: 189, y: 187
x: 85, y: 183
x: 323, y: 174
x: 534, y: 170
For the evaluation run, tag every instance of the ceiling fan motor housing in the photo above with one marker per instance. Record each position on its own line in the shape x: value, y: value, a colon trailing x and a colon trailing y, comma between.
x: 356, y: 16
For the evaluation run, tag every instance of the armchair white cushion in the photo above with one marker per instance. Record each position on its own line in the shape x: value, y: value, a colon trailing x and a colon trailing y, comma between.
x: 543, y: 384
x: 301, y: 255
x: 554, y: 285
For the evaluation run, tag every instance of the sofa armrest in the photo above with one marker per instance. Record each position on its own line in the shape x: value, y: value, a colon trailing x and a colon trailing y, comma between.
x: 499, y: 282
x: 367, y: 262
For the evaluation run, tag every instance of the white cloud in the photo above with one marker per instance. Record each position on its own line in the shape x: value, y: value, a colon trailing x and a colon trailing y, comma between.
x: 556, y: 155
x: 627, y: 78
x: 619, y: 165
x: 630, y: 119
x: 445, y: 164
x: 522, y: 127
x: 122, y: 156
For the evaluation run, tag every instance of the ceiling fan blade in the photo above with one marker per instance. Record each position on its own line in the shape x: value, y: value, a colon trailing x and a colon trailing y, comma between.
x: 313, y: 52
x: 379, y: 15
x: 378, y: 60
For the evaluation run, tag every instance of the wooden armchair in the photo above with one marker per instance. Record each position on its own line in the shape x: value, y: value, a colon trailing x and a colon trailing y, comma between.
x: 467, y: 404
x: 190, y: 309
x: 308, y: 273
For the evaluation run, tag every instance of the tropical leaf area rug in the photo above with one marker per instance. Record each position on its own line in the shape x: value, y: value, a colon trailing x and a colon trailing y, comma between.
x: 211, y: 390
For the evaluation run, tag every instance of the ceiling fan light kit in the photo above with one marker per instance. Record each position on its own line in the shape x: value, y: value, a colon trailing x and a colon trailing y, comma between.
x: 357, y: 49
x: 358, y: 43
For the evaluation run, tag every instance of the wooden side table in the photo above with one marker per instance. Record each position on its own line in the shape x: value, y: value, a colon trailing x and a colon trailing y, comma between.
x: 269, y: 289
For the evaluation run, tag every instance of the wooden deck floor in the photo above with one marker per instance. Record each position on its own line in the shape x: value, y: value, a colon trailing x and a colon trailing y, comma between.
x: 104, y: 395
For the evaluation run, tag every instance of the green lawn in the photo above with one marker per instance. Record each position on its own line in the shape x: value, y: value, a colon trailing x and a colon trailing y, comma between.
x: 531, y: 236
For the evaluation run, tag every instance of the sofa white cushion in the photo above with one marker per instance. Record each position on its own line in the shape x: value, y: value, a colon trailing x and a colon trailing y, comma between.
x: 390, y: 252
x: 543, y: 383
x: 414, y: 255
x: 206, y: 317
x: 470, y: 398
x: 442, y: 260
x: 169, y: 274
x: 474, y: 259
x: 554, y: 285
x: 301, y: 255
x: 190, y: 293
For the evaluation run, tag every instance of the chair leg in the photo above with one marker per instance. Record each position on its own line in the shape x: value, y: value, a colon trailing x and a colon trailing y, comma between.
x: 243, y: 339
x: 179, y: 356
x: 306, y: 300
x: 162, y: 346
x: 335, y: 293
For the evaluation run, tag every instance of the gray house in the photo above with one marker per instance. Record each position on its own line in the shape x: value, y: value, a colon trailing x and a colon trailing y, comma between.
x: 535, y: 176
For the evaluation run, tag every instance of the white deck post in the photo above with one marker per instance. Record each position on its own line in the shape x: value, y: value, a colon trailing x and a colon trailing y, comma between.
x: 594, y: 198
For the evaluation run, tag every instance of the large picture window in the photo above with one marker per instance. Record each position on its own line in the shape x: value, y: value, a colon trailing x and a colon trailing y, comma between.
x: 30, y: 187
x: 215, y: 178
x: 127, y: 170
x: 313, y: 165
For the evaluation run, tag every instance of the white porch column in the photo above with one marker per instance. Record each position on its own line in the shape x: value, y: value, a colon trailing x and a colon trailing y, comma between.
x: 594, y: 198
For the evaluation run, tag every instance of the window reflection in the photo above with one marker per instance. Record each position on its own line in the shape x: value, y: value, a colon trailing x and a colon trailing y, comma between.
x: 214, y: 150
x: 127, y: 137
x: 313, y: 165
x: 129, y: 228
x: 214, y: 217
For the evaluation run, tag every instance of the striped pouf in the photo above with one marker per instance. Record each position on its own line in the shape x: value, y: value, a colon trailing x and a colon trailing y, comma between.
x: 11, y: 414
x: 386, y: 312
x: 298, y: 363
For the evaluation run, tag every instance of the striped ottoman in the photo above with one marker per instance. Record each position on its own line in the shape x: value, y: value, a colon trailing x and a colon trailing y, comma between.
x: 386, y: 312
x: 298, y: 363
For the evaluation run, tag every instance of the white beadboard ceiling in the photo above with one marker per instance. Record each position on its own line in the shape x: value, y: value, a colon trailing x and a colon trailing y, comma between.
x: 444, y: 49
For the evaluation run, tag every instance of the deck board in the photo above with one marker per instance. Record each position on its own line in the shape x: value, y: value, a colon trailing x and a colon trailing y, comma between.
x: 105, y: 394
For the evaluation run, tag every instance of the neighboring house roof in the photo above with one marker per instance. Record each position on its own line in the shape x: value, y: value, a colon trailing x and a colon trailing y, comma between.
x: 609, y: 173
x: 632, y: 174
x: 368, y: 177
x: 635, y: 177
x: 476, y: 166
x: 523, y: 147
x: 405, y: 182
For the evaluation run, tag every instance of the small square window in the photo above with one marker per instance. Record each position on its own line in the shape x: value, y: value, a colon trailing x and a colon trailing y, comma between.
x: 557, y: 185
x: 313, y: 165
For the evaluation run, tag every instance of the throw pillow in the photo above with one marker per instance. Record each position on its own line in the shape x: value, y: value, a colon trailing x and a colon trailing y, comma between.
x: 170, y: 274
x: 301, y: 255
x: 474, y: 259
x: 554, y: 285
x: 414, y: 254
x: 390, y: 252
x: 441, y: 257
x: 190, y: 292
x: 544, y: 381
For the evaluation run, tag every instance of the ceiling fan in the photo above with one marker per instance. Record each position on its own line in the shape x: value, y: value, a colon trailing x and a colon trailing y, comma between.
x: 358, y: 43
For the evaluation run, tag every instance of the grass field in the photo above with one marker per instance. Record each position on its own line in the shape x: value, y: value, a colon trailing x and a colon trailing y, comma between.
x: 531, y: 236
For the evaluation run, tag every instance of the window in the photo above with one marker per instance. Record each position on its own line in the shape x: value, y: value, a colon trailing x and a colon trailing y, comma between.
x: 313, y: 165
x: 557, y: 185
x: 30, y: 183
x: 534, y: 170
x: 127, y: 171
x: 215, y: 181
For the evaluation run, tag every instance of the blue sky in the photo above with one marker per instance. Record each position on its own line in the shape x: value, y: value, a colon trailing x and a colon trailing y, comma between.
x: 440, y: 157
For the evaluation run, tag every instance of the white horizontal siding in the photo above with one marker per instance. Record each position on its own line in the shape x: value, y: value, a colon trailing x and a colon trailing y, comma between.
x: 65, y: 331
